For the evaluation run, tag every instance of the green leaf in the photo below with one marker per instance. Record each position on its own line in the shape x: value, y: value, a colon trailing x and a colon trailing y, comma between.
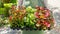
x: 28, y: 9
x: 7, y: 4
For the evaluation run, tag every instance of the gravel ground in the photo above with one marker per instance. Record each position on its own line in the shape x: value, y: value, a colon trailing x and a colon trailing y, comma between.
x: 9, y: 31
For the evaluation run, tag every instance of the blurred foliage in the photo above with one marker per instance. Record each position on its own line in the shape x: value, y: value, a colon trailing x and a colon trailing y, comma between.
x: 5, y: 1
x: 2, y: 10
x: 13, y: 1
x: 1, y: 4
x: 5, y: 9
x: 7, y: 5
x: 9, y: 1
x: 3, y: 21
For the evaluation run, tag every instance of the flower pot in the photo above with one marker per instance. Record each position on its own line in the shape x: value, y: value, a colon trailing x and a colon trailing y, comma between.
x: 32, y: 32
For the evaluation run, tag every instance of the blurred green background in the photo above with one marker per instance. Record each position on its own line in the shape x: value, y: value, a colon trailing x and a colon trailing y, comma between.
x: 5, y: 5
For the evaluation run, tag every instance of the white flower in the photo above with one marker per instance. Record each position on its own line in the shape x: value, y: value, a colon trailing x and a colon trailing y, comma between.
x: 6, y: 21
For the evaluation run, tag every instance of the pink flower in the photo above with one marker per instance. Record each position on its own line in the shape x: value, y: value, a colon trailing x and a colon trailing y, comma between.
x: 47, y: 14
x: 37, y: 15
x: 46, y: 23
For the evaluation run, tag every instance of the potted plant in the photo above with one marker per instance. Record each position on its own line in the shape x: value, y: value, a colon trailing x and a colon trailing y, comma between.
x: 31, y: 20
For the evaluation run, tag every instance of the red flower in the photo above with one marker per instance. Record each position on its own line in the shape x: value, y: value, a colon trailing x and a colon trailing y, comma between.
x: 37, y: 15
x: 17, y: 11
x: 47, y: 13
x: 46, y: 23
x: 10, y: 17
